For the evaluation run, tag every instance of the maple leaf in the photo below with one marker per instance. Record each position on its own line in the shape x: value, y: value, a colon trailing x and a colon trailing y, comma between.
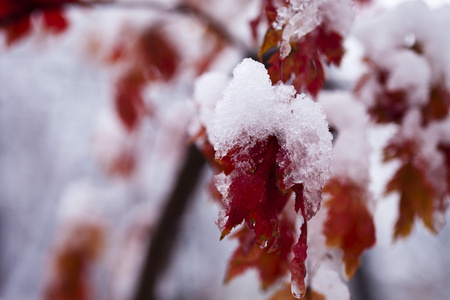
x: 417, y: 195
x: 389, y: 106
x: 151, y: 58
x: 416, y: 198
x: 349, y: 225
x: 157, y: 57
x: 271, y: 264
x: 304, y: 64
x: 253, y: 195
x: 256, y: 197
x: 269, y: 163
x: 285, y: 293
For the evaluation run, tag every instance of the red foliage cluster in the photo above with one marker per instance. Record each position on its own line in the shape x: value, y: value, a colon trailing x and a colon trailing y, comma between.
x: 71, y: 263
x: 418, y: 197
x: 152, y: 57
x: 391, y: 106
x: 272, y: 264
x: 257, y: 197
x: 16, y: 17
x: 304, y: 64
x: 349, y: 224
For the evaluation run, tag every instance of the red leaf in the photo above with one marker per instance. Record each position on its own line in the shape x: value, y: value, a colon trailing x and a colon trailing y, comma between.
x: 416, y: 198
x: 17, y: 30
x: 270, y: 264
x: 16, y: 17
x: 130, y: 106
x: 55, y: 21
x: 329, y: 43
x: 304, y: 63
x: 349, y: 225
x: 391, y: 106
x: 254, y: 195
x: 158, y: 56
x: 417, y: 195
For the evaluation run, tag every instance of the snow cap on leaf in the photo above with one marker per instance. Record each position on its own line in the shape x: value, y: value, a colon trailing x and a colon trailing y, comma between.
x: 252, y: 110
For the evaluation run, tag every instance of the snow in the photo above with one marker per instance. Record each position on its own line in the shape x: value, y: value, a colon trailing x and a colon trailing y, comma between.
x: 328, y: 283
x: 351, y: 147
x: 301, y: 17
x: 409, y: 72
x: 207, y: 90
x: 252, y: 110
x: 388, y: 38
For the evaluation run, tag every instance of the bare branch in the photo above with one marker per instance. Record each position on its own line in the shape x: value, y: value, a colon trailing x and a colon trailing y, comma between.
x: 162, y: 240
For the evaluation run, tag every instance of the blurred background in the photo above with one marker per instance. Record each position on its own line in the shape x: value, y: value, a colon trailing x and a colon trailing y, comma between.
x: 60, y: 143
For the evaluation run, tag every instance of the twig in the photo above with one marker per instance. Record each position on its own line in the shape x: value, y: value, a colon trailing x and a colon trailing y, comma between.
x: 162, y: 240
x: 184, y: 9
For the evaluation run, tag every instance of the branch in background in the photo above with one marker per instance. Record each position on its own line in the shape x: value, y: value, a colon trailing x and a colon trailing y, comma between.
x: 183, y: 9
x: 162, y: 241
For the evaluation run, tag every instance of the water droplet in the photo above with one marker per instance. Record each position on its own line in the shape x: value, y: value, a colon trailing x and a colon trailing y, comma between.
x: 263, y: 245
x: 297, y: 291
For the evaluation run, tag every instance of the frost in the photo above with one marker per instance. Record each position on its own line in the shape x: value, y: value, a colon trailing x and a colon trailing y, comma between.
x: 252, y: 110
x: 222, y: 183
x: 301, y: 17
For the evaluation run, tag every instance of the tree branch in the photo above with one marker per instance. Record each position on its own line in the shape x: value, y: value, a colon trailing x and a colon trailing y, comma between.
x: 162, y: 241
x: 182, y: 9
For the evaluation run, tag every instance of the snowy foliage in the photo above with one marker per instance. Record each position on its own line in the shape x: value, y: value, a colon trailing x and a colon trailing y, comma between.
x: 296, y: 201
x: 302, y: 16
x: 252, y: 110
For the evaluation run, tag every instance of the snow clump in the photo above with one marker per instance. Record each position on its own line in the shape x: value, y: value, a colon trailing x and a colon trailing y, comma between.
x: 252, y: 109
